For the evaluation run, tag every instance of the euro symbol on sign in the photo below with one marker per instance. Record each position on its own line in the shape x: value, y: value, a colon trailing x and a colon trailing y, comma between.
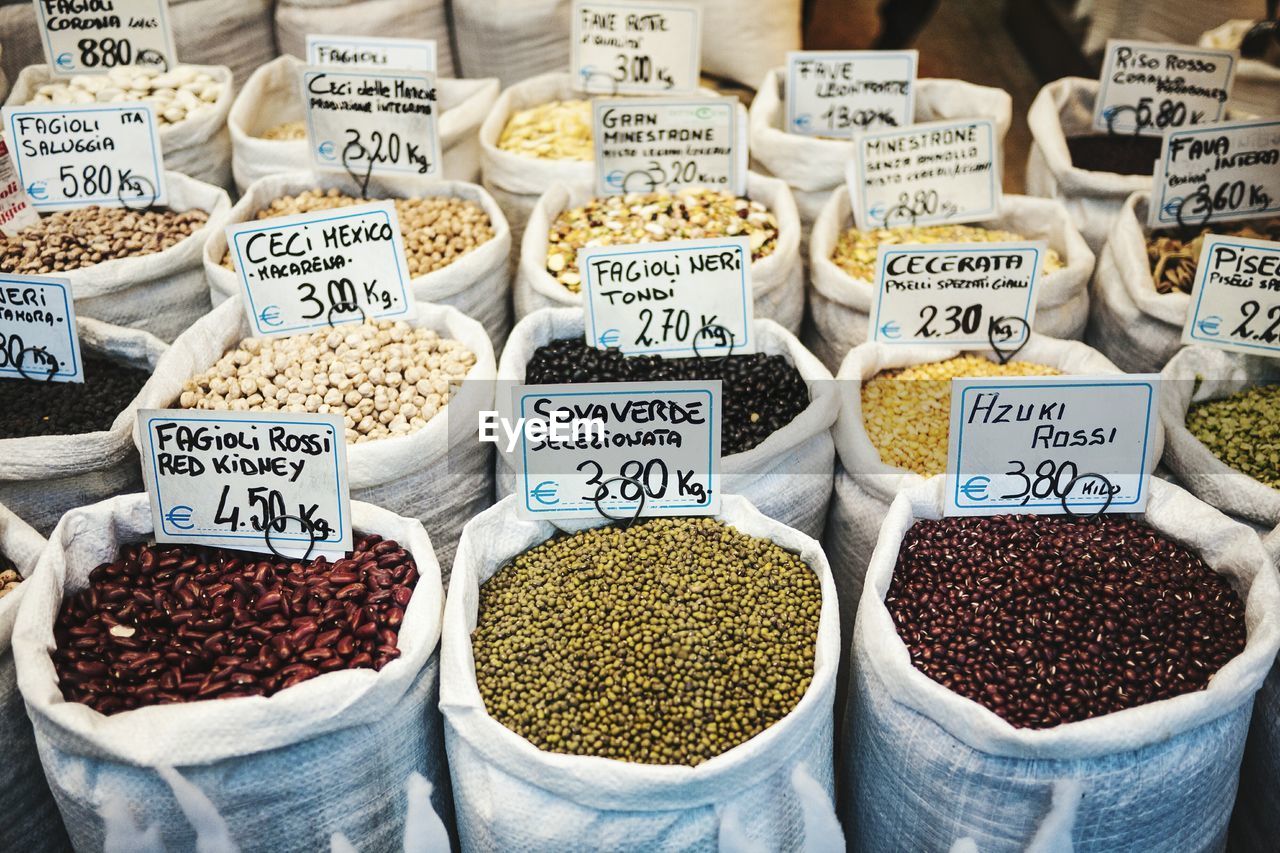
x: 975, y: 488
x: 270, y: 316
x: 703, y: 113
x: 37, y: 191
x: 545, y: 493
x: 891, y: 331
x: 64, y: 60
x: 1210, y: 325
x: 803, y: 120
x: 326, y: 150
x: 180, y: 517
x: 609, y: 338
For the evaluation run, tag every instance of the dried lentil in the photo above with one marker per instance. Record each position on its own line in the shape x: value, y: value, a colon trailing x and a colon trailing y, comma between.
x: 689, y: 214
x: 557, y: 130
x: 287, y: 132
x: 34, y: 407
x: 178, y: 94
x: 907, y: 412
x: 1122, y: 154
x: 1174, y: 257
x: 9, y: 577
x: 178, y: 623
x: 1048, y: 620
x: 73, y: 239
x: 437, y: 230
x: 385, y: 378
x: 1243, y: 430
x: 669, y: 642
x: 761, y: 393
x: 856, y: 251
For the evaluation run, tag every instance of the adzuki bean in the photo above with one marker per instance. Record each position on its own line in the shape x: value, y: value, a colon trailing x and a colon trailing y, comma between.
x: 171, y: 623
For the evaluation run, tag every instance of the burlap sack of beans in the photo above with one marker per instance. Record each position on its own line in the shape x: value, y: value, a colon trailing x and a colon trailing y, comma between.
x: 284, y: 772
x: 923, y: 768
x: 198, y: 147
x: 478, y: 284
x: 839, y: 304
x: 777, y: 280
x: 510, y: 795
x: 440, y: 474
x: 41, y: 477
x: 787, y: 476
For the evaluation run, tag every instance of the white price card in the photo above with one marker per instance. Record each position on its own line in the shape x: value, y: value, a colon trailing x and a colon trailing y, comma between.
x: 1146, y: 88
x: 16, y: 212
x: 952, y: 294
x: 38, y: 336
x: 586, y: 451
x: 90, y: 154
x: 838, y: 92
x: 372, y: 52
x: 648, y: 144
x: 1217, y: 173
x: 94, y: 36
x: 635, y: 48
x: 926, y: 174
x: 239, y: 479
x: 1049, y: 445
x: 679, y: 299
x: 1235, y: 299
x: 313, y: 270
x: 372, y: 122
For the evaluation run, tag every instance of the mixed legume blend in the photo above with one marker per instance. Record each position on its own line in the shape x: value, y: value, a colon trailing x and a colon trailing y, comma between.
x: 177, y: 623
x: 1174, y: 258
x: 181, y: 93
x: 1243, y: 430
x: 558, y: 130
x: 856, y: 250
x: 72, y: 239
x: 37, y: 407
x: 669, y: 642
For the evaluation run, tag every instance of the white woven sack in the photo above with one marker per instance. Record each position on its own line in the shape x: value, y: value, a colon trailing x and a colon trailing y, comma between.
x: 1256, y: 85
x: 476, y: 284
x: 419, y: 19
x: 41, y: 477
x: 742, y: 41
x: 510, y: 795
x: 839, y: 304
x: 1135, y: 325
x: 271, y: 98
x: 787, y: 476
x: 283, y: 772
x: 511, y: 39
x: 865, y: 486
x: 1061, y: 109
x: 813, y: 166
x: 925, y: 767
x: 440, y: 474
x: 199, y: 147
x: 777, y: 281
x: 31, y: 817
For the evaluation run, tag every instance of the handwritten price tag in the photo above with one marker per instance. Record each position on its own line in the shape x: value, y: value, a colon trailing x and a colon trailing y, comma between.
x: 372, y: 52
x: 602, y: 444
x: 649, y: 144
x: 956, y: 293
x: 315, y: 270
x: 837, y: 92
x: 38, y: 337
x: 372, y: 123
x: 223, y: 478
x: 1217, y: 173
x: 1051, y: 445
x: 926, y: 174
x: 1147, y: 88
x: 1235, y: 300
x: 93, y: 36
x: 636, y: 48
x: 92, y: 154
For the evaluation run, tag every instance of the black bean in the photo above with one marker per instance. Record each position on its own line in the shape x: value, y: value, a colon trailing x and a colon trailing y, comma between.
x: 35, y: 407
x: 1123, y: 154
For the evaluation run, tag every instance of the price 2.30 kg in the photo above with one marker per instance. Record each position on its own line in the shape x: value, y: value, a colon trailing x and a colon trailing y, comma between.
x: 265, y: 505
x: 959, y: 319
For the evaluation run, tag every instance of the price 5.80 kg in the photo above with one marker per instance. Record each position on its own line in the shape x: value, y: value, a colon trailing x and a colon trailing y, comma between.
x: 99, y: 180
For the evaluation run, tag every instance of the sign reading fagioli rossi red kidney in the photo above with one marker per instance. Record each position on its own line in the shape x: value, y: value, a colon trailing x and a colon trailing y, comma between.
x: 837, y: 92
x: 1217, y: 173
x: 678, y: 299
x: 316, y: 270
x: 92, y: 154
x: 237, y: 479
x: 372, y: 52
x: 16, y: 212
x: 1235, y: 299
x: 650, y: 144
x: 1047, y: 445
x: 635, y: 48
x: 926, y: 174
x: 583, y: 451
x: 1149, y: 88
x: 93, y: 36
x: 956, y: 293
x: 372, y: 122
x: 38, y: 337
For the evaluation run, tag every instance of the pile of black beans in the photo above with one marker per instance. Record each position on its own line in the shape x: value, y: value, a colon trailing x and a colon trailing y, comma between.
x: 36, y: 407
x: 1123, y: 154
x: 762, y: 393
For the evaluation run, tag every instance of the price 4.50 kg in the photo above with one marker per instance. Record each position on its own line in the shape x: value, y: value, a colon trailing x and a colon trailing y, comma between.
x: 266, y: 506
